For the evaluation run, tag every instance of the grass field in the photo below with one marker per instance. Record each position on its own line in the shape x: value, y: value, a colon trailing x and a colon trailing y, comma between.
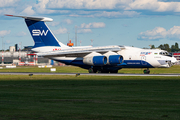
x: 89, y: 97
x: 72, y: 69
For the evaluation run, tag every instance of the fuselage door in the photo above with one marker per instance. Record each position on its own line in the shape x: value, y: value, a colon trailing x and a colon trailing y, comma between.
x: 143, y: 60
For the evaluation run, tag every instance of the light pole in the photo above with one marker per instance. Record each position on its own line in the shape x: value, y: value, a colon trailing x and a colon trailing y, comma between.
x: 68, y: 36
x: 91, y: 42
x: 76, y: 35
x: 2, y: 52
x: 80, y: 42
x: 20, y: 51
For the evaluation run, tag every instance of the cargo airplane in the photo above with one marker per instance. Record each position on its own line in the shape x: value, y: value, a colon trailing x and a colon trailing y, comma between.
x: 96, y: 59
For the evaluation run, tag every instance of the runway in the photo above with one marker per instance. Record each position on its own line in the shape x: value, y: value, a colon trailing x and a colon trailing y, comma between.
x: 90, y: 74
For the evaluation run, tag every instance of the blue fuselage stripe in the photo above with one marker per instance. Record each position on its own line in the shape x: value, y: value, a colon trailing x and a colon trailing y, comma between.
x: 129, y: 63
x: 137, y: 64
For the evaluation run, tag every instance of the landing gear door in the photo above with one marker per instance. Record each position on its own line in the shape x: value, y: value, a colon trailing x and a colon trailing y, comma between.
x: 143, y: 60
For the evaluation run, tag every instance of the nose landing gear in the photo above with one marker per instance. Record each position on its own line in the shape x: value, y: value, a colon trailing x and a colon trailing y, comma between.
x: 146, y: 71
x: 169, y: 63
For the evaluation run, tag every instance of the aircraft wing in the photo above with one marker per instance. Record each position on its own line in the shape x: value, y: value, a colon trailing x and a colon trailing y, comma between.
x: 79, y: 52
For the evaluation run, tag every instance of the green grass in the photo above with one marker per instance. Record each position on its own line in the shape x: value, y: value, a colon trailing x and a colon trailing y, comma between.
x: 89, y: 97
x: 72, y: 69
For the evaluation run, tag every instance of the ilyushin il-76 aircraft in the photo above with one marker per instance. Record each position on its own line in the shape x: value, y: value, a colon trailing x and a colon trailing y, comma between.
x: 103, y: 59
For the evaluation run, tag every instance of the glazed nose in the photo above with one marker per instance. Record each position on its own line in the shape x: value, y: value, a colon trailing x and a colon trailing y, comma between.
x: 173, y: 60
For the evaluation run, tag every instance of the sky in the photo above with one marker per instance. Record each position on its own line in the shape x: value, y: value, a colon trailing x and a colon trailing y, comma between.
x: 137, y: 23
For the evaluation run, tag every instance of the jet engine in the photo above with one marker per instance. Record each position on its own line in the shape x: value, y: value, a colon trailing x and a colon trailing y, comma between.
x: 95, y: 59
x: 113, y: 58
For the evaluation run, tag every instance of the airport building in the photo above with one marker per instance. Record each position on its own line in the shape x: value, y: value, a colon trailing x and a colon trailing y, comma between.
x: 16, y: 56
x: 24, y: 57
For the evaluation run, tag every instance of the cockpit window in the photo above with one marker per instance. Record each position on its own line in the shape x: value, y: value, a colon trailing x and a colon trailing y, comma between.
x: 165, y: 54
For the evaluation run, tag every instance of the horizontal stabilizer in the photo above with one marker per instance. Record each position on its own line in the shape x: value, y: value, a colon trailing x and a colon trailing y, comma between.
x: 33, y: 18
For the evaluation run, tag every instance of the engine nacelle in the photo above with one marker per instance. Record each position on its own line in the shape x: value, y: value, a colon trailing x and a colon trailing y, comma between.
x: 115, y: 59
x: 95, y: 60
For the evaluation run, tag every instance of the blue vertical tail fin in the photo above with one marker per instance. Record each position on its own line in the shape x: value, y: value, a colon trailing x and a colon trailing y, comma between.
x: 40, y: 32
x: 41, y: 35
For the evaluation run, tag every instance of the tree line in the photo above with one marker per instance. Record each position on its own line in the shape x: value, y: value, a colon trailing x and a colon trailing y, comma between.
x: 173, y: 48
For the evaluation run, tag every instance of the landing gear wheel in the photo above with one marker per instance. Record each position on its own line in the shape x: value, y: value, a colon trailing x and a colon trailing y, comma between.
x: 147, y: 71
x: 91, y: 70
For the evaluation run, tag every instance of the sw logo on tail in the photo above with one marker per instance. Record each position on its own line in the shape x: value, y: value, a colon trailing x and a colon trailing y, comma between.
x: 39, y: 33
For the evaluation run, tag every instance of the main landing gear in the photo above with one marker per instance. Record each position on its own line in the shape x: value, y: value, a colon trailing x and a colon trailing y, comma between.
x: 146, y: 71
x: 107, y: 71
x: 92, y: 70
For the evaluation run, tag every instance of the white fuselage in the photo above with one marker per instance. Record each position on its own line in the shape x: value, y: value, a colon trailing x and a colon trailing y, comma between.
x: 133, y: 58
